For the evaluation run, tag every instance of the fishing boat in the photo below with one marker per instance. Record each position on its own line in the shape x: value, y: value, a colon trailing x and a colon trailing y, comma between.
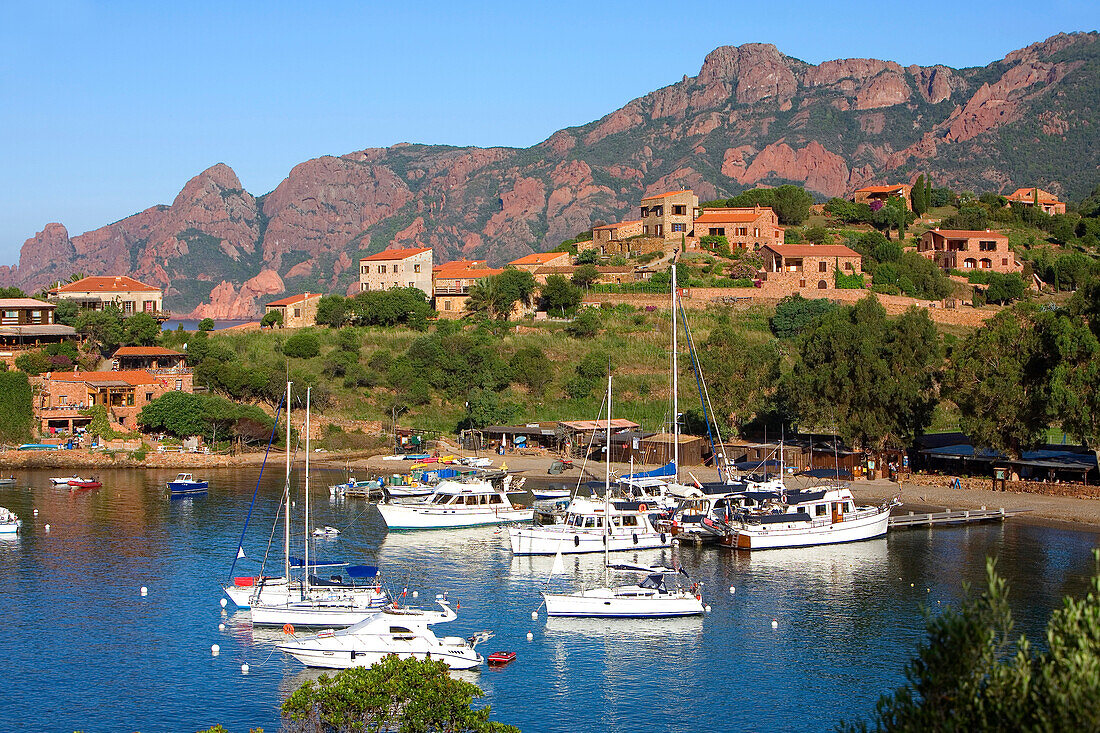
x: 185, y: 483
x: 64, y: 481
x: 402, y: 632
x: 9, y: 523
x: 85, y: 483
x: 820, y: 516
x: 469, y: 503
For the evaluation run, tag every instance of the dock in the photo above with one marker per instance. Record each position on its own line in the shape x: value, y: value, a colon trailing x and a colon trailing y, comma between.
x: 958, y: 516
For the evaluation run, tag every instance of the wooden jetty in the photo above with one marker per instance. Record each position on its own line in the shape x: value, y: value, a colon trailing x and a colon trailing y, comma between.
x: 958, y: 516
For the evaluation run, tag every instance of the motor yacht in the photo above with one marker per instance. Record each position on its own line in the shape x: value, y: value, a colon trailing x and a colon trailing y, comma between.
x: 589, y: 526
x: 456, y: 504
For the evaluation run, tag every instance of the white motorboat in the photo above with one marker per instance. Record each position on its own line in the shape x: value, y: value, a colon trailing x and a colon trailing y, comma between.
x: 9, y: 523
x: 64, y: 481
x: 551, y: 494
x: 820, y: 516
x: 326, y: 531
x: 411, y: 491
x: 650, y: 598
x: 456, y: 504
x: 402, y: 632
x: 589, y: 526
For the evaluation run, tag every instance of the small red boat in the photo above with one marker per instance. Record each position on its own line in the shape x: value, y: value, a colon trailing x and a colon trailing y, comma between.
x: 499, y: 659
x: 92, y: 484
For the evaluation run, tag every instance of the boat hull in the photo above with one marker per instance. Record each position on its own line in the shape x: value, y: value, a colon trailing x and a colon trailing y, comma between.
x: 366, y: 652
x: 599, y: 603
x: 404, y: 516
x: 10, y: 527
x: 546, y: 541
x: 304, y: 613
x: 188, y: 487
x: 763, y: 537
x: 276, y: 592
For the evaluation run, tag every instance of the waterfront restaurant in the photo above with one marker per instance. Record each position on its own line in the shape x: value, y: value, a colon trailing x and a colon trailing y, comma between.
x: 26, y: 323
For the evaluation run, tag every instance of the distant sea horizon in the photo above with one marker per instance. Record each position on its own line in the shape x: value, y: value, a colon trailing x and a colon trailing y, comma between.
x: 192, y: 324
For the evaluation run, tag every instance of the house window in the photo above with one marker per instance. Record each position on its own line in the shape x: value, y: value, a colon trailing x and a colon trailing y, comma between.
x: 987, y: 246
x: 822, y: 266
x: 658, y: 230
x: 149, y: 306
x: 416, y: 268
x: 679, y: 210
x: 446, y: 305
x: 1004, y: 260
x: 645, y: 230
x: 756, y: 231
x: 63, y: 399
x: 848, y: 266
x: 717, y: 231
x: 658, y: 210
x: 645, y: 211
x: 128, y: 306
x: 677, y: 227
x: 297, y: 312
x: 363, y: 269
x: 129, y: 400
x: 364, y: 287
x: 179, y: 385
x: 742, y: 231
x: 381, y: 269
x: 148, y: 396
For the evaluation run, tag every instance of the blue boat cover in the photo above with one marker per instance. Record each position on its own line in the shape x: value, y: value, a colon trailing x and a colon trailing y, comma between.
x: 669, y: 469
x: 362, y: 571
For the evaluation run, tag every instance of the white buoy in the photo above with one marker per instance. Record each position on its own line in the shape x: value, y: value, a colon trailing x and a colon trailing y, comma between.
x: 530, y: 636
x: 706, y: 609
x: 221, y: 627
x: 912, y: 585
x: 732, y: 589
x: 214, y: 649
x: 534, y: 615
x: 244, y: 669
x: 47, y: 528
x: 36, y: 512
x: 144, y: 591
x: 223, y: 602
x: 775, y: 624
x: 416, y: 594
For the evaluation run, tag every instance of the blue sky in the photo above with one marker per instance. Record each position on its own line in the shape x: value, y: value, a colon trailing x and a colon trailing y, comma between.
x: 107, y: 108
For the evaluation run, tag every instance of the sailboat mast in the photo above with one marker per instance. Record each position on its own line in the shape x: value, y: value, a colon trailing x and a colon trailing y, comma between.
x: 305, y: 497
x: 286, y: 518
x: 607, y: 485
x: 675, y: 384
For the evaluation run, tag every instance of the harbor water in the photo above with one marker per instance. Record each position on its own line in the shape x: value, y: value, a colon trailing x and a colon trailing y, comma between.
x: 87, y: 651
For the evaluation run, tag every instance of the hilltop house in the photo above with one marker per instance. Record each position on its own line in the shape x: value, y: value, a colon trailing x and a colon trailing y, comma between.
x: 127, y: 294
x: 533, y: 262
x: 397, y: 268
x: 744, y: 228
x: 60, y: 396
x: 604, y: 236
x: 1046, y: 201
x: 451, y: 283
x: 297, y: 311
x: 955, y: 249
x: 669, y: 215
x: 26, y: 323
x: 870, y: 194
x: 799, y: 266
x: 156, y: 360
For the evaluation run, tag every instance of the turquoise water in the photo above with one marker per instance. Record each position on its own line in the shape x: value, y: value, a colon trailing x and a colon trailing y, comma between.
x: 86, y: 651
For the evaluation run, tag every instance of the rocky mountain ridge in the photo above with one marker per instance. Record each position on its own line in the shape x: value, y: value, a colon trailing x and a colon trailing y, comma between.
x: 752, y: 116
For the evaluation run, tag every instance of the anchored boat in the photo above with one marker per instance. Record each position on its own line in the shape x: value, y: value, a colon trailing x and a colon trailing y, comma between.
x: 185, y: 483
x: 456, y: 504
x: 9, y: 523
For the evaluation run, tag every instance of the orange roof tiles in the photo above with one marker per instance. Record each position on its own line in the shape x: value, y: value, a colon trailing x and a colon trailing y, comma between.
x: 291, y: 300
x: 620, y: 224
x: 395, y: 254
x: 666, y: 194
x: 459, y: 265
x: 460, y: 274
x: 718, y: 217
x: 879, y: 189
x: 539, y: 258
x: 133, y: 377
x: 145, y: 351
x: 1028, y: 194
x: 812, y: 250
x: 968, y: 233
x: 105, y: 284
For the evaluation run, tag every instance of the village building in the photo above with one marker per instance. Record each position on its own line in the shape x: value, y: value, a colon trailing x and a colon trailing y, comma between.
x: 809, y: 266
x: 156, y: 360
x: 956, y: 249
x: 27, y: 323
x: 534, y: 261
x: 744, y: 228
x: 1045, y: 200
x: 869, y: 194
x: 297, y: 311
x: 603, y: 236
x: 669, y: 216
x: 60, y: 397
x: 125, y: 293
x: 397, y: 268
x: 607, y: 275
x: 451, y: 285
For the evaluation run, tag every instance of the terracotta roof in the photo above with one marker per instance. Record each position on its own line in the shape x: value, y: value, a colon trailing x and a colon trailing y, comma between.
x: 10, y: 303
x: 880, y: 189
x: 459, y: 274
x: 1028, y: 194
x: 539, y: 258
x: 718, y: 217
x: 570, y: 269
x: 812, y: 250
x: 105, y: 284
x: 665, y: 194
x: 145, y: 351
x: 968, y: 233
x: 132, y: 377
x: 395, y: 254
x: 295, y: 299
x: 620, y: 224
x: 459, y: 265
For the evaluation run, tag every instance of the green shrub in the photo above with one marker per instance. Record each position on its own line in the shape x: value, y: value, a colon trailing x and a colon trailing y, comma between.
x: 302, y: 345
x: 16, y: 407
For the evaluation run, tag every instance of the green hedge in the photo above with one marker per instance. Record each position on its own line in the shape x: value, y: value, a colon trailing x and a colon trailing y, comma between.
x: 16, y: 405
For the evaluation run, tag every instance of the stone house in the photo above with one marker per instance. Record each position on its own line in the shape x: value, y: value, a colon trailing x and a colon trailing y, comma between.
x: 397, y: 268
x: 298, y: 311
x: 533, y: 262
x: 60, y: 396
x: 669, y: 216
x: 602, y: 237
x: 869, y: 194
x: 955, y: 249
x: 27, y: 323
x: 809, y: 266
x: 451, y: 284
x: 744, y: 228
x: 607, y: 275
x: 1047, y: 201
x: 156, y: 360
x: 127, y: 294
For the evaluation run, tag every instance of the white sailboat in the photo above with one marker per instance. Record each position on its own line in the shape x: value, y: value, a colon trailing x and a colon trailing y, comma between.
x: 9, y: 523
x: 402, y: 632
x: 323, y: 605
x: 650, y: 598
